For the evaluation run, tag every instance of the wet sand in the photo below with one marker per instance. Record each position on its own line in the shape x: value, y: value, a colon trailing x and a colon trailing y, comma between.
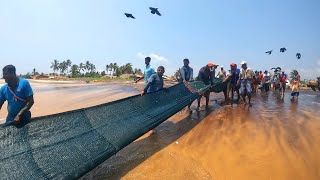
x: 274, y: 139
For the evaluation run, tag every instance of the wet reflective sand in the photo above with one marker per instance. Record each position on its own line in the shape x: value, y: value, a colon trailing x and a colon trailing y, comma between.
x: 274, y: 139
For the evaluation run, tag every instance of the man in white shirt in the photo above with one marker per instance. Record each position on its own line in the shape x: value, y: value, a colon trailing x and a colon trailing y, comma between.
x: 246, y: 75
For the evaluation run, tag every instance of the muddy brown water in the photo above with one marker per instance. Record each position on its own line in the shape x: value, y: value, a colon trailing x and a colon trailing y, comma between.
x: 273, y: 139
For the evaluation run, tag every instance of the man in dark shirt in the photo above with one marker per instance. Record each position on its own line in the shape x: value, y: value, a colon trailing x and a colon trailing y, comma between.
x: 155, y: 82
x: 206, y: 76
x: 187, y: 75
x: 232, y: 80
x: 186, y: 71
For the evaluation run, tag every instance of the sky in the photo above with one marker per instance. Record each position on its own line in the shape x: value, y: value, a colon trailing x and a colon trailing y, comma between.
x: 35, y: 32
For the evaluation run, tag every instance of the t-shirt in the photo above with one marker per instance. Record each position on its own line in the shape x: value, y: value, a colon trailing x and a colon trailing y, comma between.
x: 246, y: 74
x: 23, y: 90
x: 283, y: 77
x: 235, y: 76
x: 155, y: 83
x: 148, y: 71
x: 186, y: 73
x: 222, y: 74
x: 295, y: 86
x: 205, y: 75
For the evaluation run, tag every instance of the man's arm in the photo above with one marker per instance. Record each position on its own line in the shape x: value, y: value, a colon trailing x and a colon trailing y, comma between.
x: 182, y: 74
x: 191, y: 74
x: 150, y: 81
x: 30, y: 102
x: 139, y: 79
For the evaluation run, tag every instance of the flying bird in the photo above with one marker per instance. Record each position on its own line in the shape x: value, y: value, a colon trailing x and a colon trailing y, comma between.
x: 129, y: 15
x: 269, y: 52
x: 298, y: 55
x: 277, y: 69
x: 155, y: 11
x: 283, y: 49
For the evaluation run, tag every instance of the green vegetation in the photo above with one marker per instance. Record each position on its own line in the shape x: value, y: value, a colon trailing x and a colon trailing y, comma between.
x: 88, y: 70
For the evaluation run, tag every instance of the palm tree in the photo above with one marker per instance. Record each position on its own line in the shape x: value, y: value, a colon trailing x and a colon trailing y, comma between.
x: 111, y: 65
x: 293, y: 74
x: 115, y: 67
x: 55, y: 65
x: 74, y: 70
x: 128, y: 68
x: 87, y: 66
x: 68, y: 64
x: 63, y: 67
x: 81, y: 67
x: 92, y: 68
x: 107, y: 68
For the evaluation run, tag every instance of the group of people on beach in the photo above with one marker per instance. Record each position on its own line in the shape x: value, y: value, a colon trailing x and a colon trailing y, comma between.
x: 243, y: 81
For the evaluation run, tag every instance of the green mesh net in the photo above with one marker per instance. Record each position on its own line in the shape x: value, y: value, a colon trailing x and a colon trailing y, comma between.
x: 69, y: 144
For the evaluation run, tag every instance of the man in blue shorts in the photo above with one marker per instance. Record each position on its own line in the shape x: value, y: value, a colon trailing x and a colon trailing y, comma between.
x: 19, y: 95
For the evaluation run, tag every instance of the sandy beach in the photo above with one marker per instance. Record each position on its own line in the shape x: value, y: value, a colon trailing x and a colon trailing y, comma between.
x: 59, y: 96
x: 274, y: 139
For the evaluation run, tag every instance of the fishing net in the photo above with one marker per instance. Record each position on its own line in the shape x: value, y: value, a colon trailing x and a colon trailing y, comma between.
x: 69, y: 144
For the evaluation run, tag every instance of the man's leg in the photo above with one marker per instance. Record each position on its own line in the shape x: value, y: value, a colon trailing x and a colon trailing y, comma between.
x: 242, y: 91
x: 207, y: 99
x: 249, y: 91
x: 199, y: 100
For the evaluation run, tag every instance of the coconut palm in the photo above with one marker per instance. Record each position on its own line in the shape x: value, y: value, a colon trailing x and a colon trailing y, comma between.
x: 63, y: 67
x: 107, y: 68
x: 68, y: 64
x: 75, y: 70
x: 81, y: 67
x: 55, y: 65
x: 87, y: 65
x: 293, y: 74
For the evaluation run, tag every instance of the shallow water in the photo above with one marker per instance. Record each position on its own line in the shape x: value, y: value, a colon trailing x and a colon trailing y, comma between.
x: 273, y: 139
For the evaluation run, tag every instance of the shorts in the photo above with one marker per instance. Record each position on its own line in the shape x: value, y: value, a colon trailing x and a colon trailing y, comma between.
x: 295, y: 94
x: 245, y: 87
x: 233, y: 86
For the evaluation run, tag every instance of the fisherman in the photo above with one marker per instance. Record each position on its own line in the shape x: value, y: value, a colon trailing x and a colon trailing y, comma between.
x: 206, y: 76
x: 222, y: 73
x: 295, y: 89
x: 19, y: 95
x: 246, y: 75
x: 155, y: 82
x: 275, y: 82
x: 233, y: 79
x: 267, y: 78
x: 148, y: 71
x: 186, y: 75
x: 261, y: 78
x: 283, y: 81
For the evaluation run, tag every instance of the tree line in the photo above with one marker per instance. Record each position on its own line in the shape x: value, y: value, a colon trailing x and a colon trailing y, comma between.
x: 88, y: 69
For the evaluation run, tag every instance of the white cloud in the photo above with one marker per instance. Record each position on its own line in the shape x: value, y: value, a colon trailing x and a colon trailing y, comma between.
x: 155, y: 58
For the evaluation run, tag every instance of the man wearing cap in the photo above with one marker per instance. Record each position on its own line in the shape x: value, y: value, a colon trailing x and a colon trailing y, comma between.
x: 148, y: 71
x: 222, y: 73
x: 246, y: 75
x: 233, y: 79
x: 206, y: 76
x: 186, y: 75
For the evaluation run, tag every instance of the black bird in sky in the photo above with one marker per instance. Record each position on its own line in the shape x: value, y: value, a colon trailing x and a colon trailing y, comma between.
x: 298, y: 55
x: 283, y: 49
x: 155, y: 11
x: 269, y: 52
x: 129, y: 15
x: 277, y: 69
